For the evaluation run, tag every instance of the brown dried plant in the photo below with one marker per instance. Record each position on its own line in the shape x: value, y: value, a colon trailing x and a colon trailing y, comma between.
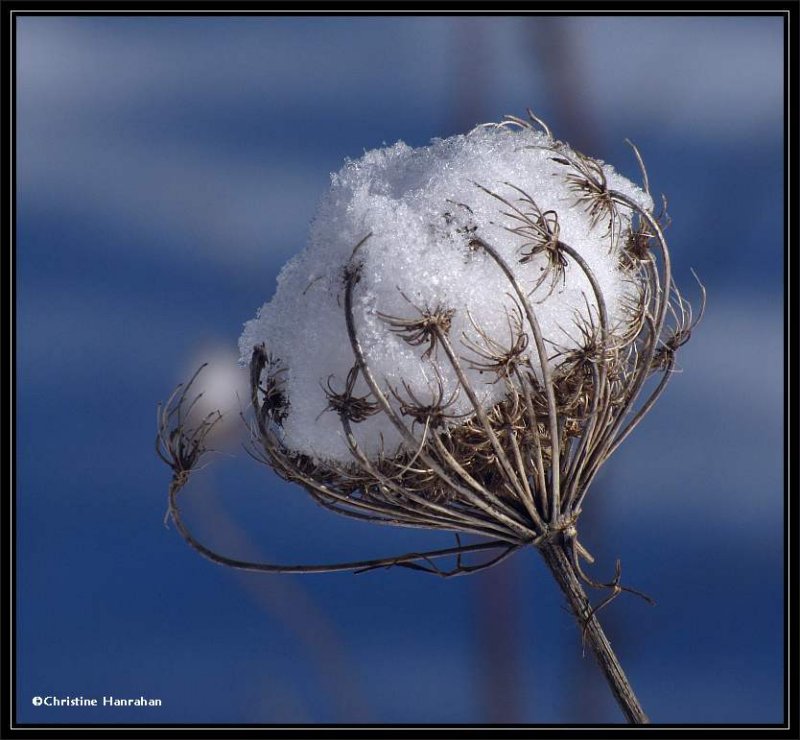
x: 516, y: 474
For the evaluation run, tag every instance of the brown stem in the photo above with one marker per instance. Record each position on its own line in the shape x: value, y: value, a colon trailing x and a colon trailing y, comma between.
x: 557, y: 559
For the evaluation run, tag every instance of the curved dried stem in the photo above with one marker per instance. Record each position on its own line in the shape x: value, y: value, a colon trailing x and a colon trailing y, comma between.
x: 597, y: 355
x: 182, y: 447
x: 487, y: 501
x: 445, y: 517
x: 355, y: 566
x: 642, y: 168
x: 502, y: 458
x: 555, y: 482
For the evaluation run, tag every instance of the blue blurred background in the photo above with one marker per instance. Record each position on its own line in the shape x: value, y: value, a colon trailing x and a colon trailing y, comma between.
x: 168, y: 167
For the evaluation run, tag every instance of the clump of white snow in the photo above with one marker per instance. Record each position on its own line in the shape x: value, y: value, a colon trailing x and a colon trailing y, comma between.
x: 424, y: 209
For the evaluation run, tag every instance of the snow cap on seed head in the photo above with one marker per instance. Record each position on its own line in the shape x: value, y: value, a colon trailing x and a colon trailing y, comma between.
x: 422, y: 215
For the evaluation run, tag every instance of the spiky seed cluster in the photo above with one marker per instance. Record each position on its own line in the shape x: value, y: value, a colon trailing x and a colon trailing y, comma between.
x: 516, y: 472
x: 422, y: 328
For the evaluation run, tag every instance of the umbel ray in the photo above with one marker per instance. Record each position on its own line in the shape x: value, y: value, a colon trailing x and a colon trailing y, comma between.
x: 514, y: 472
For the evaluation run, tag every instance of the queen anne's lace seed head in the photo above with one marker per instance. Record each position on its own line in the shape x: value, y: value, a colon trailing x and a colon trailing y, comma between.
x: 483, y: 314
x: 422, y: 270
x: 470, y: 333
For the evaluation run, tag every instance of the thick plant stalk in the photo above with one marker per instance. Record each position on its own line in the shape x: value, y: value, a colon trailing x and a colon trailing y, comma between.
x: 563, y: 570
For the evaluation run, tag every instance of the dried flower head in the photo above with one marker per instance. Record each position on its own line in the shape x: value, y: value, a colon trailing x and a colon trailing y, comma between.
x: 489, y: 317
x: 500, y: 316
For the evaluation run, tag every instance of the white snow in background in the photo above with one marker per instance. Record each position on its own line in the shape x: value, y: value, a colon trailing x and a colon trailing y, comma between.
x: 411, y: 202
x: 219, y: 388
